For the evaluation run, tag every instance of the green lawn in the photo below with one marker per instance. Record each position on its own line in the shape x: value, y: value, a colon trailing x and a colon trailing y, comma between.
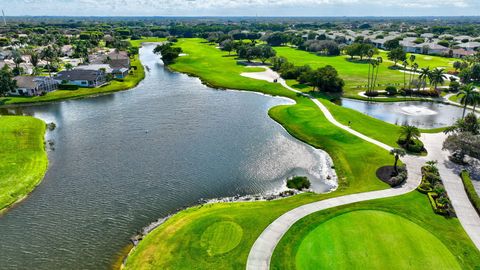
x: 129, y: 82
x: 427, y: 60
x: 354, y: 73
x: 185, y: 240
x: 219, y: 236
x: 394, y: 233
x: 23, y: 160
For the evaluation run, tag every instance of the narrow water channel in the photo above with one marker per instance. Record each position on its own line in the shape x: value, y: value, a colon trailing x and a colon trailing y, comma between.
x: 124, y: 160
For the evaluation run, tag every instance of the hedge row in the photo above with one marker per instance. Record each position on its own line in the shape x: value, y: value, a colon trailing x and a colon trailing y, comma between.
x: 471, y: 192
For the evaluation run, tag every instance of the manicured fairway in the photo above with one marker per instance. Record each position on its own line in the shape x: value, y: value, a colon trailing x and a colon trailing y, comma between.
x: 354, y: 74
x: 393, y: 233
x: 371, y: 239
x: 303, y: 120
x: 423, y: 61
x: 23, y: 160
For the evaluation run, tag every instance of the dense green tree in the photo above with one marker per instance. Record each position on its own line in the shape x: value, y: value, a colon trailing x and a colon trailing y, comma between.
x: 168, y: 53
x: 324, y: 79
x: 396, y: 55
x: 6, y: 81
x: 265, y: 52
x: 392, y: 44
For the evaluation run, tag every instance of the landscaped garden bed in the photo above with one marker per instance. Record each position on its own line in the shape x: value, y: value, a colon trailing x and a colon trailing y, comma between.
x: 432, y: 186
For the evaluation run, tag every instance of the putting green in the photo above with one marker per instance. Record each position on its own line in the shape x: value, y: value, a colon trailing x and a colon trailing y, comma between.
x: 370, y: 239
x: 221, y: 237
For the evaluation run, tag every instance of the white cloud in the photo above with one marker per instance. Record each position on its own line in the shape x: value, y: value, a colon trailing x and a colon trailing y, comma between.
x: 239, y: 7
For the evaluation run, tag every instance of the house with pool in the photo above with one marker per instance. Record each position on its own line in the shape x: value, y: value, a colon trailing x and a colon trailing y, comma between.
x: 82, y: 78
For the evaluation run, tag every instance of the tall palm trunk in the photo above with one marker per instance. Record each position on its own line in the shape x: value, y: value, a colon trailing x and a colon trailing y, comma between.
x: 368, y: 77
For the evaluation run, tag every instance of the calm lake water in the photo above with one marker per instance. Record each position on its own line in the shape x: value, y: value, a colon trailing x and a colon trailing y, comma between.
x: 124, y: 160
x: 417, y: 113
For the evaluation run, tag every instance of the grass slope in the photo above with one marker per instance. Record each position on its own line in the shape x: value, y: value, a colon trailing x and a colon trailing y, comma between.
x: 23, y: 160
x: 395, y: 233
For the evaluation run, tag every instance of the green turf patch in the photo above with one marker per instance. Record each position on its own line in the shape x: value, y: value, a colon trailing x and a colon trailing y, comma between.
x: 221, y: 237
x: 372, y: 239
x: 23, y: 160
x: 395, y: 233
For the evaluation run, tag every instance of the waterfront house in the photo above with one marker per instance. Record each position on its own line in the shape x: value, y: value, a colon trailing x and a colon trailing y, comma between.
x: 82, y: 78
x: 33, y: 86
x: 120, y: 73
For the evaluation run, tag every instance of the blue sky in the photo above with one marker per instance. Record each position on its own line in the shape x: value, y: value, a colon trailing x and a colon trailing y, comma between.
x: 242, y: 8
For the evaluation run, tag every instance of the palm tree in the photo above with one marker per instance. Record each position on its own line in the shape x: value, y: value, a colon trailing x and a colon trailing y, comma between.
x: 476, y: 100
x: 397, y: 152
x: 49, y: 55
x: 405, y: 64
x: 414, y: 70
x: 412, y: 62
x: 410, y: 133
x: 379, y: 61
x: 34, y: 59
x: 469, y: 96
x: 370, y: 53
x: 424, y: 75
x: 437, y: 77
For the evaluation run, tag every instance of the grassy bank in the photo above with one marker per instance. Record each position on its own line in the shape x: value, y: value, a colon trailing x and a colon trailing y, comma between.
x: 132, y: 80
x: 23, y: 160
x: 394, y: 233
x: 470, y: 189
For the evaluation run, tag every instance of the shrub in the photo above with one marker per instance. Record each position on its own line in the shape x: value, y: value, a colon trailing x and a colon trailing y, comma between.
x: 399, y: 179
x: 391, y: 90
x: 431, y: 177
x: 470, y: 189
x: 416, y: 147
x: 67, y: 87
x: 298, y: 182
x: 454, y: 86
x: 372, y: 93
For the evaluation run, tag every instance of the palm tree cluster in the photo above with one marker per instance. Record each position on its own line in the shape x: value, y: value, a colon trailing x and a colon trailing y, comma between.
x: 373, y: 66
x: 469, y: 96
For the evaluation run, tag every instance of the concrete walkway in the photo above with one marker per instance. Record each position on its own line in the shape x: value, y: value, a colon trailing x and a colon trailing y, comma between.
x: 263, y: 248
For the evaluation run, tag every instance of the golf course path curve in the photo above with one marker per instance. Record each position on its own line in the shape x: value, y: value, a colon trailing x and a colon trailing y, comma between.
x: 263, y: 248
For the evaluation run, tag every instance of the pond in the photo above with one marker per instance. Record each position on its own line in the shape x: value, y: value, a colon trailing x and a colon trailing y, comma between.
x: 418, y: 113
x: 122, y: 161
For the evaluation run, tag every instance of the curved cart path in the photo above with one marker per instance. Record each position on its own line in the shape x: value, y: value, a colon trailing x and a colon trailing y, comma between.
x: 263, y: 248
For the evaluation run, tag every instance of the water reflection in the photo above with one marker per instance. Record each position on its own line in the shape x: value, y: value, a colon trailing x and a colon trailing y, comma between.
x: 417, y: 113
x: 122, y: 161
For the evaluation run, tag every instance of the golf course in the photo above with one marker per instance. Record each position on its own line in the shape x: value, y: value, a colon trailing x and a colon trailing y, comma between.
x: 220, y: 235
